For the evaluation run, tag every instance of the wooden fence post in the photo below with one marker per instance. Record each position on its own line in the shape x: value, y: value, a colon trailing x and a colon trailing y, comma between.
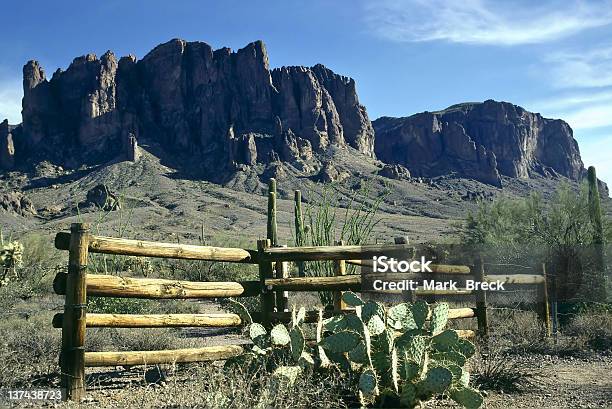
x: 407, y: 295
x: 72, y: 358
x: 272, y: 232
x: 554, y: 307
x: 481, y: 299
x: 299, y: 228
x: 266, y: 270
x: 339, y: 270
x: 545, y: 308
x: 282, y: 297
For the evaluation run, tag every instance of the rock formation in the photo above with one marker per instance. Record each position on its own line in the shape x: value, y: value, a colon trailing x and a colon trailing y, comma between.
x: 7, y: 148
x: 101, y: 197
x: 18, y: 203
x: 394, y: 172
x: 219, y: 111
x: 480, y: 141
x: 222, y: 108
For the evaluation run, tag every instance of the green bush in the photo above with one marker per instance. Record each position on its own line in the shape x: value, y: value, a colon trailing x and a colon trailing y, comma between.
x: 558, y: 231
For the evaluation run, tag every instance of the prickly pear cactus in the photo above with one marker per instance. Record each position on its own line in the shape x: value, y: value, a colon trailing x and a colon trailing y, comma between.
x: 402, y: 359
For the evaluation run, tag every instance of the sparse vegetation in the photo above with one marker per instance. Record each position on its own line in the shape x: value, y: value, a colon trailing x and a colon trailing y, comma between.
x: 558, y: 231
x: 498, y: 370
x: 326, y: 223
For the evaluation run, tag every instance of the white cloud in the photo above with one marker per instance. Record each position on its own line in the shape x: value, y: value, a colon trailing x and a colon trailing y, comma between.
x: 582, y: 110
x: 485, y: 22
x: 584, y: 68
x: 11, y: 92
x: 576, y: 99
x: 589, y: 117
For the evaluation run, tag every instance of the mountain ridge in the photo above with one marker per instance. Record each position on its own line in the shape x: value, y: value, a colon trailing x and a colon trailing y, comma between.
x: 218, y: 112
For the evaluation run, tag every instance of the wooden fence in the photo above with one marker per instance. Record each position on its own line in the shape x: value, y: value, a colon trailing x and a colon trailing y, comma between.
x: 273, y: 286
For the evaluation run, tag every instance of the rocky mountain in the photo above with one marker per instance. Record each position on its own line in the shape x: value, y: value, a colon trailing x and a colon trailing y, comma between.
x: 217, y: 108
x: 217, y: 113
x: 481, y: 141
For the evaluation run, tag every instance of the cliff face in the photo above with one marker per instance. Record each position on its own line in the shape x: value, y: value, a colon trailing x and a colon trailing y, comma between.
x: 480, y: 141
x: 224, y: 108
x: 218, y: 111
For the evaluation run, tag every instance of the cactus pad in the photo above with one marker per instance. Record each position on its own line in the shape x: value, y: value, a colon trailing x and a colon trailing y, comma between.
x: 437, y: 380
x: 306, y: 359
x: 400, y: 317
x: 467, y: 397
x: 256, y: 330
x: 340, y: 342
x: 301, y: 316
x: 335, y: 323
x: 352, y: 299
x: 464, y: 380
x: 411, y: 369
x: 416, y: 349
x: 439, y: 318
x: 279, y: 335
x: 446, y: 340
x: 395, y: 374
x: 359, y: 354
x: 408, y: 395
x: 297, y: 342
x: 368, y: 383
x: 258, y: 333
x: 376, y: 326
x: 239, y: 309
x: 420, y: 311
x: 465, y: 347
x: 450, y: 357
x: 371, y: 308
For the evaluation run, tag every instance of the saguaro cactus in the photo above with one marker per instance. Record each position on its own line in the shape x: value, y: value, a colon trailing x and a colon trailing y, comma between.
x: 599, y: 287
x: 595, y: 207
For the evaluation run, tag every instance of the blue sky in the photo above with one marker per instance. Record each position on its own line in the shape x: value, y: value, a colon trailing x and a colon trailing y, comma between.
x: 407, y: 56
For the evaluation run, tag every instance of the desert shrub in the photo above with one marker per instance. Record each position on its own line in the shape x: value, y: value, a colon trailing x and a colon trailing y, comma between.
x: 107, y: 305
x: 147, y: 339
x: 124, y: 339
x: 499, y: 370
x: 558, y: 231
x: 516, y: 329
x: 206, y: 385
x: 29, y: 267
x: 29, y: 351
x: 592, y: 329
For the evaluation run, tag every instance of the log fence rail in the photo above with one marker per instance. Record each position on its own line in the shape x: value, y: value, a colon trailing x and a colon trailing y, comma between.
x: 273, y: 286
